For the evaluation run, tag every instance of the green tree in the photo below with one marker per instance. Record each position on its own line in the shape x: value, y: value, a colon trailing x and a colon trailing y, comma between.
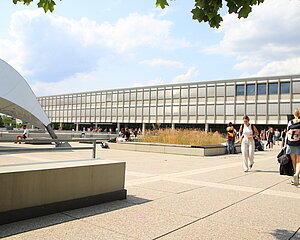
x: 1, y: 122
x: 204, y: 11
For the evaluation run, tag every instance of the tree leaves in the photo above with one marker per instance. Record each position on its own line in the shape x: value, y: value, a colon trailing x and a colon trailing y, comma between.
x: 47, y: 5
x: 208, y: 10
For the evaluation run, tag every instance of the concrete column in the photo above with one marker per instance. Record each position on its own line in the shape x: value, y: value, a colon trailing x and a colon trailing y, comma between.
x: 206, y: 127
x: 143, y: 128
x: 60, y: 125
x: 96, y: 125
x: 77, y: 127
x: 173, y: 125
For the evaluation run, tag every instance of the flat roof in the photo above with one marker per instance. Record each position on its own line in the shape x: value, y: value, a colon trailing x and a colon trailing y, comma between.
x: 184, y: 83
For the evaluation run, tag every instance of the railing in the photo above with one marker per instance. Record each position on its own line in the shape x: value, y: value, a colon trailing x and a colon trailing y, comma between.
x: 57, y: 148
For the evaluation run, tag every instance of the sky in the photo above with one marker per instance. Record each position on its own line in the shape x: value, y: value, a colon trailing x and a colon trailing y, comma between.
x: 97, y: 45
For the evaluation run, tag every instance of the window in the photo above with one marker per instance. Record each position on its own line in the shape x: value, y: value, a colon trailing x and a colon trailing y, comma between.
x: 240, y: 90
x: 184, y: 111
x: 261, y: 109
x: 168, y: 93
x: 229, y: 91
x: 284, y: 88
x: 133, y: 96
x: 192, y: 110
x: 146, y: 111
x: 184, y: 93
x: 161, y: 94
x: 201, y: 92
x: 160, y: 111
x: 193, y: 92
x: 211, y: 91
x: 140, y: 96
x: 120, y: 97
x: 176, y: 93
x: 153, y: 94
x: 139, y: 111
x: 220, y: 91
x: 175, y: 110
x: 229, y: 110
x: 273, y: 88
x: 285, y: 108
x: 126, y: 96
x: 296, y: 87
x: 168, y: 111
x: 240, y: 109
x: 261, y: 89
x: 201, y: 110
x: 250, y: 89
x: 220, y: 110
x: 152, y: 111
x: 273, y: 109
x: 250, y: 109
x: 146, y: 95
x: 210, y: 110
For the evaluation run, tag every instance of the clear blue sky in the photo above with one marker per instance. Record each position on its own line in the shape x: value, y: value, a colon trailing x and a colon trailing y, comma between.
x: 94, y: 45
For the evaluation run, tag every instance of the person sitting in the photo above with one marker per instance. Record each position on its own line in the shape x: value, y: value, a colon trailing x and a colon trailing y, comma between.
x: 24, y: 135
x: 120, y: 139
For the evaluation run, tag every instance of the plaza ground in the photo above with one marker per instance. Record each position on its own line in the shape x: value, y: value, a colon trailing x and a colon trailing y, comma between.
x: 174, y: 197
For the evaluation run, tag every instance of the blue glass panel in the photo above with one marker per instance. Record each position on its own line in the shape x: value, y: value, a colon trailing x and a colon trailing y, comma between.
x: 285, y: 88
x: 273, y: 88
x: 240, y: 90
x: 251, y: 89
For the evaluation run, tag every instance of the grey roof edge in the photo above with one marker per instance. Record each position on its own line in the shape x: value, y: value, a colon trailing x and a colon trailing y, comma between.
x: 234, y: 80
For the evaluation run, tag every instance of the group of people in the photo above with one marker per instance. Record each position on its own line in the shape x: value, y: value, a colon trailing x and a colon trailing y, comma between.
x: 248, y: 135
x: 127, y: 134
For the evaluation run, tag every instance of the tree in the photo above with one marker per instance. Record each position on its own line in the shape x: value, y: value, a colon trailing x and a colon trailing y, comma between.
x: 209, y: 10
x: 204, y: 11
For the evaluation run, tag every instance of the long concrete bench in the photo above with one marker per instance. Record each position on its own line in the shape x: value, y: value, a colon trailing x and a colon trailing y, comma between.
x: 37, y: 189
x: 211, y: 150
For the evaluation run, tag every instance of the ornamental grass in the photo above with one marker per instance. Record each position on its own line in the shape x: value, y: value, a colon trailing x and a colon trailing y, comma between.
x: 183, y: 137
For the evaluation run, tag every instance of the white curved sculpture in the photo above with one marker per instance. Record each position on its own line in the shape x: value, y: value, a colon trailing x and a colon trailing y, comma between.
x: 18, y: 100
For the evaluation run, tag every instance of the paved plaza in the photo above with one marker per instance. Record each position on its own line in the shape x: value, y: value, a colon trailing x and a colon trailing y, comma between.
x: 174, y: 197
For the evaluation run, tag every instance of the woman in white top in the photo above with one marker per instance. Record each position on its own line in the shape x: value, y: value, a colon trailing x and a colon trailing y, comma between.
x: 248, y: 132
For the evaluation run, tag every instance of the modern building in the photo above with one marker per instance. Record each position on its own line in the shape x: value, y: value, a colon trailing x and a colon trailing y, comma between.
x: 205, y: 104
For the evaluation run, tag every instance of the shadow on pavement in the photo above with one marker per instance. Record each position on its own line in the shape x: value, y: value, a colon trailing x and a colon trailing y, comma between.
x: 282, y: 234
x: 28, y: 225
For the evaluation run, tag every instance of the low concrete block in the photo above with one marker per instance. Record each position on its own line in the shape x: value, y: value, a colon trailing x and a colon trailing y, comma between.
x: 28, y: 191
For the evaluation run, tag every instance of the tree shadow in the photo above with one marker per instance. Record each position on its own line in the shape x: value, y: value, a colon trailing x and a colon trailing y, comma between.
x: 282, y: 234
x: 11, y: 229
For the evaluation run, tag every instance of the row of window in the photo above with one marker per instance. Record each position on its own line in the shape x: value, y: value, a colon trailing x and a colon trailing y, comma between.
x: 175, y: 93
x: 202, y: 110
x: 261, y: 89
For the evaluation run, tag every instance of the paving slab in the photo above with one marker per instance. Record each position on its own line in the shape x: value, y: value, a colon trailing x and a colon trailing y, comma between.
x: 262, y: 213
x: 139, y: 221
x: 199, y: 202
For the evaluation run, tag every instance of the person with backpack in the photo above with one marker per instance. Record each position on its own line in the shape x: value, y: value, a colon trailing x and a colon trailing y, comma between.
x: 293, y: 145
x: 248, y: 132
x: 230, y: 135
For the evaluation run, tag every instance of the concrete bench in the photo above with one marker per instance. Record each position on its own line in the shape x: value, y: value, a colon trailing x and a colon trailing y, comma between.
x: 37, y: 189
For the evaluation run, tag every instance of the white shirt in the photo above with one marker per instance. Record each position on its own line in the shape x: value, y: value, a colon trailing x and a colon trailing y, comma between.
x: 26, y: 132
x: 247, y: 131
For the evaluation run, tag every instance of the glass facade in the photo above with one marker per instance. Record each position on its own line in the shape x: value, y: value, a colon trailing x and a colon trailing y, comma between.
x: 273, y: 88
x: 180, y: 103
x: 240, y: 90
x: 261, y: 89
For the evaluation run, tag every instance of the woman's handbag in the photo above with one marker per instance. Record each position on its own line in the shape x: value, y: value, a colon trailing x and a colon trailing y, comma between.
x: 283, y: 158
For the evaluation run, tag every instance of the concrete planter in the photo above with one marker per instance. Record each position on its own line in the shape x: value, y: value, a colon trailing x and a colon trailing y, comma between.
x: 211, y: 150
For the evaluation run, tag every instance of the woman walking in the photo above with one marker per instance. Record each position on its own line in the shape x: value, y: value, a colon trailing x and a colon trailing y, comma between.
x: 270, y: 138
x: 248, y: 132
x: 293, y: 145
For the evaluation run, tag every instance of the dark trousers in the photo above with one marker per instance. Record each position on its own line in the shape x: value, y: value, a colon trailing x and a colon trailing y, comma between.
x: 230, y: 146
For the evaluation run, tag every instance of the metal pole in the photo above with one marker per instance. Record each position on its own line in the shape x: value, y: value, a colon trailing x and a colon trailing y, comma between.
x: 94, y: 148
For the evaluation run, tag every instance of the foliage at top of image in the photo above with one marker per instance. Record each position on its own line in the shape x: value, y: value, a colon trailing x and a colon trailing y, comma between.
x: 204, y: 11
x: 183, y: 137
x: 209, y: 10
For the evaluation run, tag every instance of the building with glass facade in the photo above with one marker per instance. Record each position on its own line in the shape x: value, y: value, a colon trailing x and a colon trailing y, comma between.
x: 266, y: 100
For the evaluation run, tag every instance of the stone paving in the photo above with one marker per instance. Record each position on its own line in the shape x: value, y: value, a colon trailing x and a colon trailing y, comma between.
x: 174, y: 197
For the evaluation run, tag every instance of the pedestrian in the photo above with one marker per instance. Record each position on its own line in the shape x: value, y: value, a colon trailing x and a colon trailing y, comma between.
x: 283, y: 136
x: 24, y: 135
x: 231, y: 133
x: 248, y: 132
x: 277, y: 136
x: 270, y: 138
x: 293, y: 145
